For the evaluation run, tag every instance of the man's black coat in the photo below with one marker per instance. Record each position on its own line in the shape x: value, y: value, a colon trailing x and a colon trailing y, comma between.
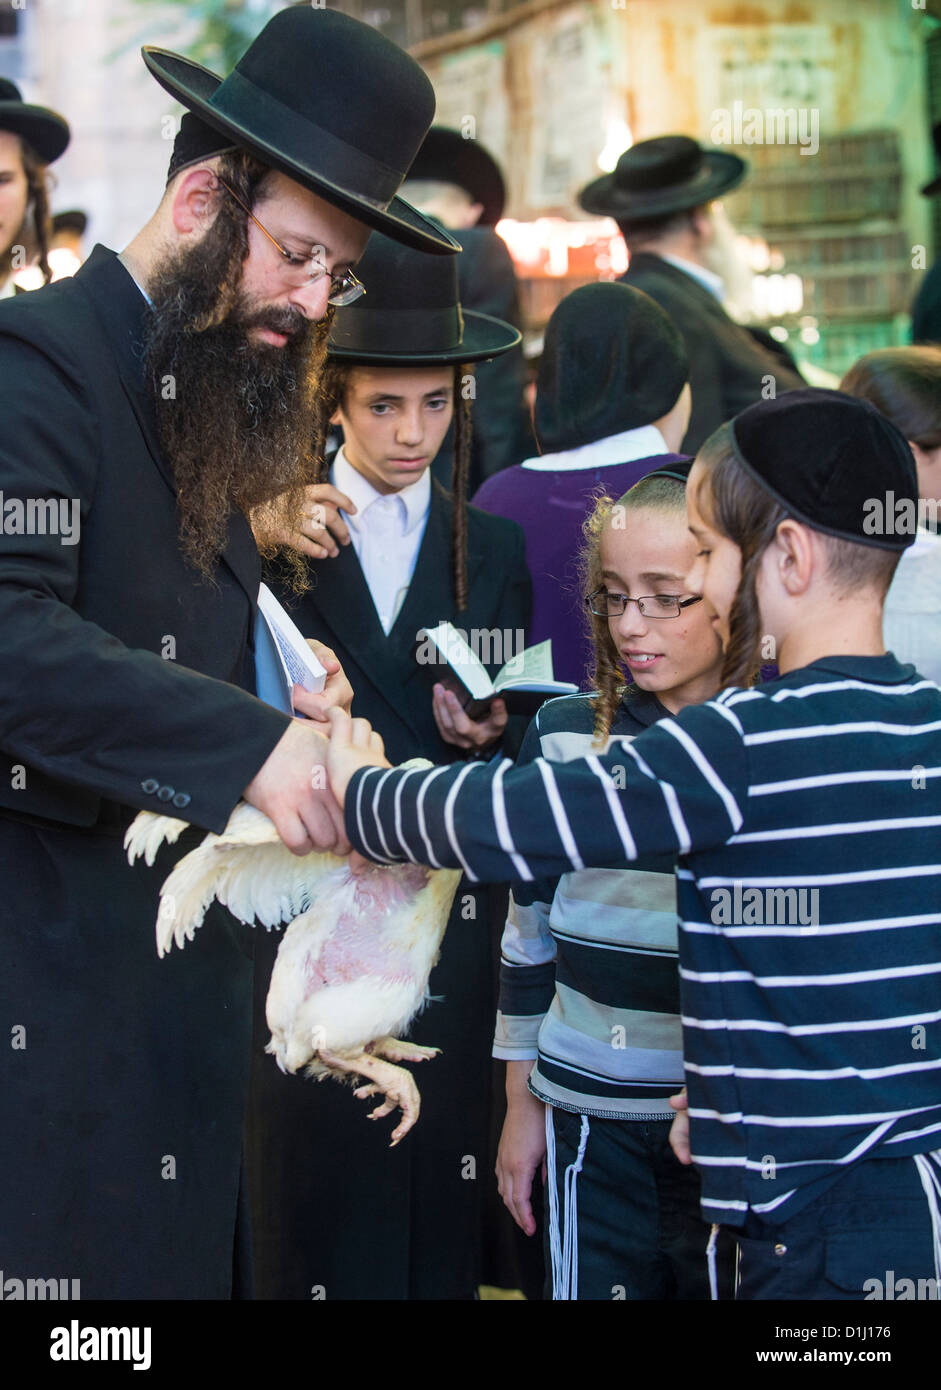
x: 729, y: 366
x: 124, y: 1077
x: 926, y: 310
x: 332, y: 1206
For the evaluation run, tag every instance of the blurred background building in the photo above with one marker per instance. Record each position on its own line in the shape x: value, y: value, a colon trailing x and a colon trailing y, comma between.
x: 556, y: 89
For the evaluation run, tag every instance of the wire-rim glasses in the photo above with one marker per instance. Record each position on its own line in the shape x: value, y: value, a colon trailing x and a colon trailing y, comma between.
x: 605, y: 605
x: 307, y: 270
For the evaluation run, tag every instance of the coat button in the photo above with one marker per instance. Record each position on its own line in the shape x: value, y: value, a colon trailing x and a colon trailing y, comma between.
x: 150, y: 786
x: 181, y: 799
x: 165, y: 793
x: 780, y: 1249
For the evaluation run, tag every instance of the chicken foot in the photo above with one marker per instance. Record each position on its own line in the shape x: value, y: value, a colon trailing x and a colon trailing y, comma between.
x: 395, y: 1083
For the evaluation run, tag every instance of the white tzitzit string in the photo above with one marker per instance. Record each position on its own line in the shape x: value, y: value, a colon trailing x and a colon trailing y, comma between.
x: 563, y: 1240
x: 932, y: 1185
x: 570, y: 1238
x: 555, y: 1239
x: 711, y: 1262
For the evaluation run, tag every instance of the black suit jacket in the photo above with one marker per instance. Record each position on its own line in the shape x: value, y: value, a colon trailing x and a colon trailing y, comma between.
x: 502, y: 434
x: 121, y: 1118
x: 89, y: 705
x: 728, y: 365
x: 926, y: 310
x: 391, y: 689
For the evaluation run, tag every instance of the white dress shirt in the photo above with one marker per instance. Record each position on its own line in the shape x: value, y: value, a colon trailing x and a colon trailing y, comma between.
x: 645, y: 441
x: 386, y: 533
x: 912, y: 621
x: 713, y: 282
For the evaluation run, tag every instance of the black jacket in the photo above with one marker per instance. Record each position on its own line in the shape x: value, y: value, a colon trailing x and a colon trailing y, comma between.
x: 926, y: 310
x: 729, y: 366
x: 120, y: 1118
x: 502, y: 435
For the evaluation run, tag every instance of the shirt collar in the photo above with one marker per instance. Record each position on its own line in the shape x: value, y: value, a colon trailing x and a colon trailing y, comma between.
x: 644, y: 442
x: 415, y: 498
x: 644, y: 705
x: 882, y: 670
x: 136, y: 281
x: 713, y: 282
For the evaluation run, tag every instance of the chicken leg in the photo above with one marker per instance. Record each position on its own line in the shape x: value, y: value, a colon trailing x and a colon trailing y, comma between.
x: 395, y: 1083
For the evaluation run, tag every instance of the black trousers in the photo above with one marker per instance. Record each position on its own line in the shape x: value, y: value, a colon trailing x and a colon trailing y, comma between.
x: 634, y: 1225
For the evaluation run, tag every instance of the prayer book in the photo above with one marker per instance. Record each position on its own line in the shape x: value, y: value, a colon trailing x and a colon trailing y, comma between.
x: 282, y: 657
x: 525, y: 681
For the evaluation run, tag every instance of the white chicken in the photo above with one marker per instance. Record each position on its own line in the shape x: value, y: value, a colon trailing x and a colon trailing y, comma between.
x: 353, y: 965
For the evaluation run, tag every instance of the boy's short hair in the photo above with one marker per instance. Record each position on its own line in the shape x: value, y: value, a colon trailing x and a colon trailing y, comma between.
x: 905, y: 384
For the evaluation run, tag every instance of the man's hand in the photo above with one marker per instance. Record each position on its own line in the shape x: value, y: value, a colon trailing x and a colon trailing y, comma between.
x: 321, y: 529
x: 522, y: 1146
x: 679, y: 1130
x: 336, y: 694
x: 291, y: 789
x: 458, y: 728
x: 353, y: 744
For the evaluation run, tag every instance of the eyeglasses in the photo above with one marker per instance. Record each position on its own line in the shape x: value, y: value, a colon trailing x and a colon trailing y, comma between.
x: 605, y: 605
x: 307, y: 270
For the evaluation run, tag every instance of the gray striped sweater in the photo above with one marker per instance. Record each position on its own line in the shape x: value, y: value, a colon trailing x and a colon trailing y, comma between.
x: 589, y: 975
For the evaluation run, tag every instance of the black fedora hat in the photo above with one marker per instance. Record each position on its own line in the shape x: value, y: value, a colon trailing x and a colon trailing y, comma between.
x: 328, y: 101
x: 44, y: 130
x: 657, y: 177
x: 71, y: 220
x: 411, y: 314
x: 934, y: 186
x: 451, y: 157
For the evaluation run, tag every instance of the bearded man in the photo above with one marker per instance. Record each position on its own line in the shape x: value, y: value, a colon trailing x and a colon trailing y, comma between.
x: 150, y: 406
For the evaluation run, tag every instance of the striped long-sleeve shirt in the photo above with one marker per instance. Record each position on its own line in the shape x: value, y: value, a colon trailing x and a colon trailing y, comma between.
x: 589, y: 975
x: 807, y: 814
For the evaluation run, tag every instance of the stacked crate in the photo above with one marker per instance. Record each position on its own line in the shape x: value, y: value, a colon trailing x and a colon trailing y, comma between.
x: 834, y: 219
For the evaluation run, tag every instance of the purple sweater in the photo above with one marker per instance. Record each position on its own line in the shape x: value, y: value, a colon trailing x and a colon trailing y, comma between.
x: 551, y: 506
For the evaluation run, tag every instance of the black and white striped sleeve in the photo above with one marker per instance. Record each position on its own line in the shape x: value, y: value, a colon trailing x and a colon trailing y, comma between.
x: 680, y: 786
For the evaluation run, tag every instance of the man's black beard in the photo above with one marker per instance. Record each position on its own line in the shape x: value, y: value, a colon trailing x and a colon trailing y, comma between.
x: 235, y: 420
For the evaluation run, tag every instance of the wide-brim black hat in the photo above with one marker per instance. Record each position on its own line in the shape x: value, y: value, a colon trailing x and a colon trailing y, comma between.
x: 329, y: 102
x: 655, y: 178
x: 411, y: 316
x: 43, y: 129
x: 71, y: 220
x: 934, y: 185
x: 449, y: 157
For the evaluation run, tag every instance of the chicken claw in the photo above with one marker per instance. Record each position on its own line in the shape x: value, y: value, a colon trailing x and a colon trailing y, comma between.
x: 400, y: 1050
x: 395, y: 1083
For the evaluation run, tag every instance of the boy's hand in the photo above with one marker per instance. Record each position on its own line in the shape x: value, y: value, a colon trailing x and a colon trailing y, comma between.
x: 458, y: 728
x: 522, y: 1148
x: 353, y: 744
x: 336, y: 694
x: 679, y: 1130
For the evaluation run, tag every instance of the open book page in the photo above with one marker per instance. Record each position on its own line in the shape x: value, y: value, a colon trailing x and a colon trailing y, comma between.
x: 531, y: 667
x: 462, y: 658
x: 282, y: 657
